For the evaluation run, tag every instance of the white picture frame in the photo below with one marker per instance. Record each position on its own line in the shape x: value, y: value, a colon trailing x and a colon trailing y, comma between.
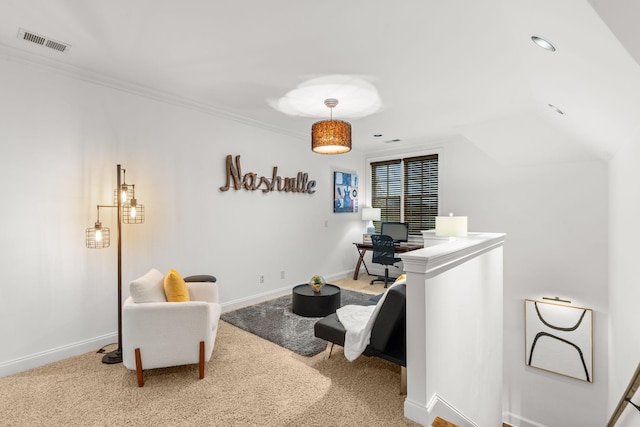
x: 559, y: 339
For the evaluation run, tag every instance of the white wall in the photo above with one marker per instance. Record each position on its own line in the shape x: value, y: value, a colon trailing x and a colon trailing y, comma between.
x: 624, y: 292
x: 555, y: 218
x: 61, y: 141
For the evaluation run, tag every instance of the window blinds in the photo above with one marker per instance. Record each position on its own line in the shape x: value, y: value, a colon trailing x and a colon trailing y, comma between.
x: 386, y: 193
x: 421, y: 192
x: 406, y: 190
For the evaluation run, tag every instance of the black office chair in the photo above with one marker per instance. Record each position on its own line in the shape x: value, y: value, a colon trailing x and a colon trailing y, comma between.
x: 383, y: 253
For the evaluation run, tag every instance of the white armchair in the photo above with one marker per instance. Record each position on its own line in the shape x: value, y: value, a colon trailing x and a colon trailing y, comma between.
x: 157, y: 333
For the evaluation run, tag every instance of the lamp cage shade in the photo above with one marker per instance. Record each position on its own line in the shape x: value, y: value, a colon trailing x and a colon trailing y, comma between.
x: 132, y: 212
x: 98, y: 237
x: 331, y: 137
x: 130, y: 190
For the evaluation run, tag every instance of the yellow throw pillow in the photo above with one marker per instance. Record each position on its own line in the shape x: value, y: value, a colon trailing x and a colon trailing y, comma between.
x: 175, y: 287
x: 401, y: 279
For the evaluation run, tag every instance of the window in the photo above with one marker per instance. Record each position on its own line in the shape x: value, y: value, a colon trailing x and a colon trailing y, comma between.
x: 406, y: 190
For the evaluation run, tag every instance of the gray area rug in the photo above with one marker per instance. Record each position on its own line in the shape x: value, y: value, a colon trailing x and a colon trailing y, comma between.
x: 274, y: 321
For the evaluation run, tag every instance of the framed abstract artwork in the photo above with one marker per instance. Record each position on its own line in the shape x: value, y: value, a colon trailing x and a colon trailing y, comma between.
x: 345, y: 192
x: 559, y: 339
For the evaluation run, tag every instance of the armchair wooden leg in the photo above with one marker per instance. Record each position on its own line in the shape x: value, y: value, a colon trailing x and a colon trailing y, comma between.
x: 201, y: 359
x: 139, y: 368
x: 403, y: 380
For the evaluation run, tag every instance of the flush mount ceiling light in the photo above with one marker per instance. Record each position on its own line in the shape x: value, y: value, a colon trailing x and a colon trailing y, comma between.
x: 359, y: 97
x: 543, y: 43
x: 331, y: 136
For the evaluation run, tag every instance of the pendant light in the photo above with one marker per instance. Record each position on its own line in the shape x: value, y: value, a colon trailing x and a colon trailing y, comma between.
x: 331, y: 136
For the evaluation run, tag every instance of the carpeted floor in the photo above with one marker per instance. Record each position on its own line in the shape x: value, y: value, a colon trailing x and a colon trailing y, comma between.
x: 273, y: 320
x: 248, y: 382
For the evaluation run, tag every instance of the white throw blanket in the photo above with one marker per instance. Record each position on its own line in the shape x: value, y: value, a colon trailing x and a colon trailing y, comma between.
x: 358, y: 321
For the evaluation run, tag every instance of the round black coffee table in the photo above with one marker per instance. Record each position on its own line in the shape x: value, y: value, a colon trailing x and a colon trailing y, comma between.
x: 307, y: 303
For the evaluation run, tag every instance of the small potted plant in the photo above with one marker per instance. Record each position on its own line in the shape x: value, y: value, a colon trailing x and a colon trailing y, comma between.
x: 316, y: 283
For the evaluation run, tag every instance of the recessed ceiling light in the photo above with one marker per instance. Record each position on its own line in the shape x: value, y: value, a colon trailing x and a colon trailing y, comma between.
x: 556, y: 109
x: 378, y: 135
x: 545, y: 44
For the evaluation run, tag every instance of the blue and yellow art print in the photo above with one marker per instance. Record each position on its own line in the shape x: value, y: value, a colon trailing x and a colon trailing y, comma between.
x: 345, y: 192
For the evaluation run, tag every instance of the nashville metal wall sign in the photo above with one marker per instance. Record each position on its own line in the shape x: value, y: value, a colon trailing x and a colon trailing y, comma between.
x: 250, y: 181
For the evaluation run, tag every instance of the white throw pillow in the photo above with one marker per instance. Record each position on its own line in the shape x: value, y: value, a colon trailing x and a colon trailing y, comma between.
x: 148, y: 288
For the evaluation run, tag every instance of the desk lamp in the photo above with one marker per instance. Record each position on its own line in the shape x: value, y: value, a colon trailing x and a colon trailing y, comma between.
x: 370, y: 215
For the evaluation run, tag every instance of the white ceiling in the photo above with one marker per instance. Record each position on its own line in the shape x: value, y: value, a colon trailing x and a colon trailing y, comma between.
x: 443, y: 69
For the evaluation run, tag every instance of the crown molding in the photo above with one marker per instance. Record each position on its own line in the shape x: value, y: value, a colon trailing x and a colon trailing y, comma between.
x: 9, y: 53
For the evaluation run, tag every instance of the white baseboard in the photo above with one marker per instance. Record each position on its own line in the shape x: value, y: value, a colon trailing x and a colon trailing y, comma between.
x: 437, y: 407
x: 518, y: 421
x: 275, y: 293
x: 343, y: 275
x: 255, y: 299
x: 31, y: 361
x: 416, y: 412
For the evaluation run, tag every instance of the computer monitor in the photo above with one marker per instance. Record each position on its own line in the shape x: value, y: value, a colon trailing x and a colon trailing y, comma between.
x: 399, y: 231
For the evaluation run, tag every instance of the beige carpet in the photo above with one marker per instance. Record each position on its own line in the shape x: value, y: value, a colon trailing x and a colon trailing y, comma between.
x: 248, y: 382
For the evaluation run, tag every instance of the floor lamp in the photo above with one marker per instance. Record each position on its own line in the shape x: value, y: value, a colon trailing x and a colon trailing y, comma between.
x: 98, y: 237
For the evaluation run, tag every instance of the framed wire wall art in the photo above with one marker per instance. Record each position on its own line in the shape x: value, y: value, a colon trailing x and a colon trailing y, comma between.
x: 559, y: 339
x: 345, y: 192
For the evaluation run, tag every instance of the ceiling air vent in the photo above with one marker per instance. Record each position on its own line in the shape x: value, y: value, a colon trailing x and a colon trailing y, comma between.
x: 43, y: 41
